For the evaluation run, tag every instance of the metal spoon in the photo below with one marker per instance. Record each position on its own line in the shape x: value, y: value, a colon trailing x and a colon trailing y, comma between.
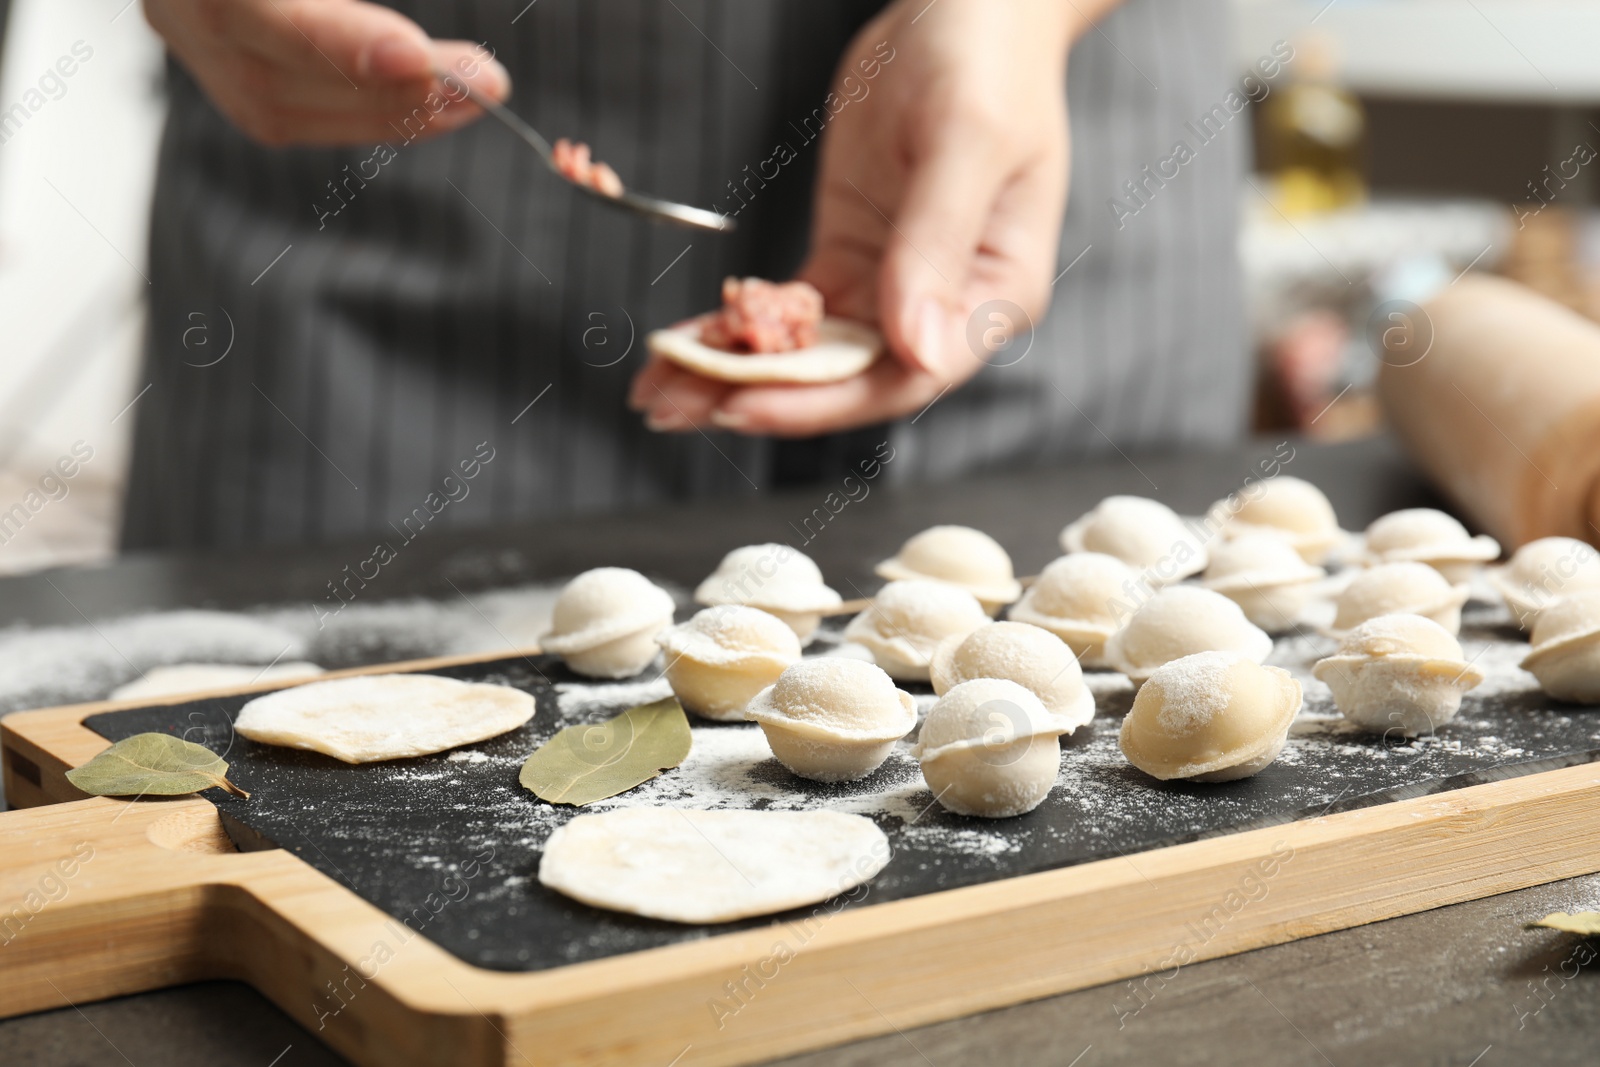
x: 649, y: 206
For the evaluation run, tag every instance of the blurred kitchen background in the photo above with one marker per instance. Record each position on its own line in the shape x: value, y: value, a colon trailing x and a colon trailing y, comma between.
x: 1408, y: 141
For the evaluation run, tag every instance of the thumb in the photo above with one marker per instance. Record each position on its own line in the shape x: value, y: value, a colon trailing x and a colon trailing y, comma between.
x: 949, y: 197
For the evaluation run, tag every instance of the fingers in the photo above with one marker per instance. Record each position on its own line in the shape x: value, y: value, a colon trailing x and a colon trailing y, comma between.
x: 887, y: 391
x: 1016, y: 259
x: 472, y: 63
x: 332, y: 71
x: 673, y: 399
x: 330, y: 114
x: 642, y: 392
x: 844, y: 268
x: 365, y: 44
x: 929, y: 254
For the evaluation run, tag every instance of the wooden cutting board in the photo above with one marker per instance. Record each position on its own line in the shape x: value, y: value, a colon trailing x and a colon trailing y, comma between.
x: 104, y: 897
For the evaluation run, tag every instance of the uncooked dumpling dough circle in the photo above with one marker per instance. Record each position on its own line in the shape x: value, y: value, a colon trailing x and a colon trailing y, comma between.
x: 692, y: 866
x: 384, y: 716
x: 843, y: 350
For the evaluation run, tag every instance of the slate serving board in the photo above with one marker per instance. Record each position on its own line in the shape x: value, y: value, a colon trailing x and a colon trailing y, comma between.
x: 449, y: 844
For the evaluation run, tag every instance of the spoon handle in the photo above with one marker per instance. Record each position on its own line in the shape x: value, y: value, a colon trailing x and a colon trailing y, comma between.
x: 681, y: 214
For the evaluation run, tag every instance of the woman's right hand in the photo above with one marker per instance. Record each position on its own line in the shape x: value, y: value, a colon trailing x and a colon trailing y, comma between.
x: 323, y: 72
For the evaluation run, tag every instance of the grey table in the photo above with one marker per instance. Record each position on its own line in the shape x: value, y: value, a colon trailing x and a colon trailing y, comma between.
x: 1463, y: 985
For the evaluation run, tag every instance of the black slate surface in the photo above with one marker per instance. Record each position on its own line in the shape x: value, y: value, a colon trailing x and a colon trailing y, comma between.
x: 450, y: 848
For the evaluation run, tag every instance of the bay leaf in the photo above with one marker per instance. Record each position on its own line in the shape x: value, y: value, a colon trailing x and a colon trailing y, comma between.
x: 583, y: 764
x: 153, y: 764
x: 1586, y: 923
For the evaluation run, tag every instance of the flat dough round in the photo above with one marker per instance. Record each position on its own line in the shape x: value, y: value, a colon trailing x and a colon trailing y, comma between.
x: 843, y: 350
x: 693, y: 866
x: 384, y: 716
x: 176, y: 678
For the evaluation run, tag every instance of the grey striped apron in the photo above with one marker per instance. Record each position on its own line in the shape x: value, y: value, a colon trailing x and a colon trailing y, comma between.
x: 375, y: 349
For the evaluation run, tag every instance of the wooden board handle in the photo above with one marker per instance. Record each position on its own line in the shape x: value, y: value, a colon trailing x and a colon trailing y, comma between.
x: 102, y: 898
x: 99, y: 898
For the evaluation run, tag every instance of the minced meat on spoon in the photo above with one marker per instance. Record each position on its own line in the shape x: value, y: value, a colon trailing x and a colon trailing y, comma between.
x: 572, y: 159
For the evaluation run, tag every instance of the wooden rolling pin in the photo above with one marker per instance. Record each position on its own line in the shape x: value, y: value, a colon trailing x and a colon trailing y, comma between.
x: 1503, y: 411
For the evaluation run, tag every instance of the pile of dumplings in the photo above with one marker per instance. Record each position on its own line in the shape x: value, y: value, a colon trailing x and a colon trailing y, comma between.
x: 1186, y: 609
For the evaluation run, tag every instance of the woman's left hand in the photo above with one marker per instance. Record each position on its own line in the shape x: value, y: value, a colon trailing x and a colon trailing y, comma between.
x: 940, y: 189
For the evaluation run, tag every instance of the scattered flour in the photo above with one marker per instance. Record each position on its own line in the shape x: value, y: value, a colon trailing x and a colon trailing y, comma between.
x: 1195, y: 691
x: 580, y: 698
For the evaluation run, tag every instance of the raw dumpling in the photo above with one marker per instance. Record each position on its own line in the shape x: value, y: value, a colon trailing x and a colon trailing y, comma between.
x: 989, y: 748
x: 1146, y: 535
x: 724, y: 656
x: 1542, y: 570
x: 774, y: 578
x: 907, y: 620
x: 1210, y: 717
x: 178, y: 678
x: 833, y: 719
x: 1035, y: 659
x: 1566, y: 648
x: 605, y: 622
x: 384, y: 716
x: 1181, y: 621
x: 1082, y: 598
x: 1400, y: 589
x: 1425, y: 535
x: 1399, y: 673
x: 689, y: 866
x: 1266, y: 577
x: 959, y: 556
x: 1290, y: 509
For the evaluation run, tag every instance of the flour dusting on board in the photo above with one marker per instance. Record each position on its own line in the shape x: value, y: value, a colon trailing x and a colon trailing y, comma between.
x: 404, y: 832
x: 730, y: 765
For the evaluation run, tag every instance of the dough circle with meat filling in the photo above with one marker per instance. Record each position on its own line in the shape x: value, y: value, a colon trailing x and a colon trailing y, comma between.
x: 724, y: 656
x: 844, y: 349
x: 832, y: 719
x: 1210, y: 717
x: 990, y: 748
x: 605, y: 622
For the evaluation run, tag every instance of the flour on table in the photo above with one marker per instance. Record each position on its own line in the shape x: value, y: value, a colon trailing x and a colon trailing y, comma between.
x: 577, y: 698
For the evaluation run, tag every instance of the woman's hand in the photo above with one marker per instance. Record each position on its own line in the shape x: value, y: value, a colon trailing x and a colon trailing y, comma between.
x: 940, y: 189
x: 321, y: 71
